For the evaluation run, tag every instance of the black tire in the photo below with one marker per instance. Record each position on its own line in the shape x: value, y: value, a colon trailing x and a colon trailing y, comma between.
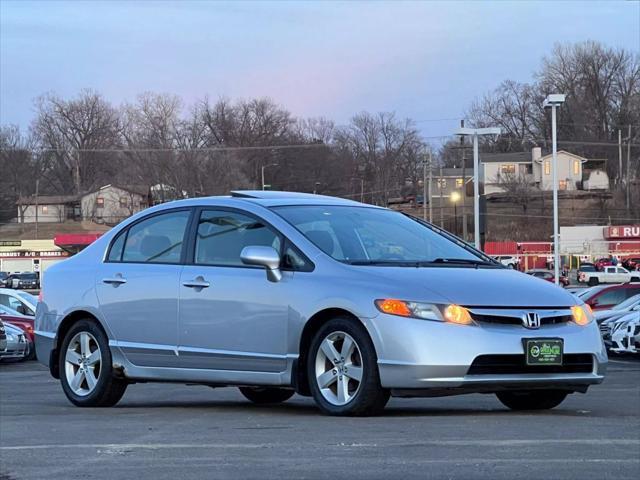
x: 109, y: 389
x: 532, y: 399
x: 266, y: 395
x: 370, y: 398
x: 593, y: 282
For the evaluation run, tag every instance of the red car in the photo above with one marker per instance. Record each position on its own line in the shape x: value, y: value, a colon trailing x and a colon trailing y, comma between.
x: 603, y: 262
x: 631, y: 264
x: 605, y: 297
x: 23, y: 322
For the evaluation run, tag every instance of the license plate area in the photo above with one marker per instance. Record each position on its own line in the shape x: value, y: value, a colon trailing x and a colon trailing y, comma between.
x: 543, y: 351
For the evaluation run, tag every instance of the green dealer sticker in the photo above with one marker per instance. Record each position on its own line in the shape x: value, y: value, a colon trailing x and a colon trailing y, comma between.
x: 543, y: 351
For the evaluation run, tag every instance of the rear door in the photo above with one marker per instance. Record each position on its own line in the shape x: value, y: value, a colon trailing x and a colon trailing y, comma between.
x: 137, y: 287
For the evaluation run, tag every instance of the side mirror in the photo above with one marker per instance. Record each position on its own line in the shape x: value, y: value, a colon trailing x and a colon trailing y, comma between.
x: 266, y: 257
x: 21, y: 309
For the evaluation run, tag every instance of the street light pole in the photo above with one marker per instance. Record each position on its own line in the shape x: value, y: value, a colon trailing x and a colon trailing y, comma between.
x: 553, y: 101
x: 430, y: 187
x: 424, y: 188
x: 475, y: 132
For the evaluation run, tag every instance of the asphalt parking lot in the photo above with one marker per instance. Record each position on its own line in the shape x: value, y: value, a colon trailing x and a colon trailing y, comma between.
x: 188, y: 432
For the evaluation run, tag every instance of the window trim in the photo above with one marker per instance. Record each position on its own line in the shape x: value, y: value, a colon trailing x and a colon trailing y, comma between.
x: 284, y: 240
x: 125, y: 231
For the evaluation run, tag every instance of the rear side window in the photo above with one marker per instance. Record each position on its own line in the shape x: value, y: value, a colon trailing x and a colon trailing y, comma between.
x: 115, y: 254
x: 158, y: 239
x: 611, y: 297
x: 222, y: 235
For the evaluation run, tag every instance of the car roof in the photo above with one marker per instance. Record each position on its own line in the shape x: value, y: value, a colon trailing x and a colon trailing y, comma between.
x: 266, y: 198
x: 272, y: 198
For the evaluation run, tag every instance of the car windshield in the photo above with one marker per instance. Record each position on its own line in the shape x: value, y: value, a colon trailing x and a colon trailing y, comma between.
x: 628, y: 303
x: 375, y: 236
x: 28, y: 276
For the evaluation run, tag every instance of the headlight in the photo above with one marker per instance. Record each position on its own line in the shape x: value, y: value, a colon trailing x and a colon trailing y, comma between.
x: 425, y: 311
x: 582, y: 314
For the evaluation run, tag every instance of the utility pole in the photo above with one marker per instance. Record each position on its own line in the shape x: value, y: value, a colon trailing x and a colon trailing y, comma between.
x: 37, y: 193
x: 430, y: 187
x: 440, y: 202
x: 464, y: 191
x: 620, y: 157
x: 629, y: 169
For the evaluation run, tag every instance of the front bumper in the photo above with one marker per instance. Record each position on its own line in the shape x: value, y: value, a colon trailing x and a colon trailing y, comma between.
x: 426, y: 355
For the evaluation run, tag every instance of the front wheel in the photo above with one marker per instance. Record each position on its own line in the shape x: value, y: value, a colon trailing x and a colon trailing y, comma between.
x: 86, y: 370
x: 533, y: 399
x: 265, y: 395
x: 593, y: 282
x: 343, y: 371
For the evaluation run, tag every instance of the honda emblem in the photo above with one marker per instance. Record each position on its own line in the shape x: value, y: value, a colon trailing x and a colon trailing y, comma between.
x: 531, y: 320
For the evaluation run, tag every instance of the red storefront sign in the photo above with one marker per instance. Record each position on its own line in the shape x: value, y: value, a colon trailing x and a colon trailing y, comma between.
x: 628, y: 232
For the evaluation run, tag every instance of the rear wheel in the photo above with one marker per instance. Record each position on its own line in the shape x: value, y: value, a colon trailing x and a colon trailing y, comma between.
x: 264, y: 395
x: 343, y: 371
x: 86, y: 370
x: 533, y: 399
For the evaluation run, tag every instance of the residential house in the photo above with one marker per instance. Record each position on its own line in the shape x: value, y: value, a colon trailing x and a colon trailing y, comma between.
x: 574, y: 172
x: 48, y: 208
x: 113, y: 203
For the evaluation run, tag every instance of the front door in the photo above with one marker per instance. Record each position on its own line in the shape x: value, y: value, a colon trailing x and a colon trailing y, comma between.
x: 138, y: 288
x: 231, y: 316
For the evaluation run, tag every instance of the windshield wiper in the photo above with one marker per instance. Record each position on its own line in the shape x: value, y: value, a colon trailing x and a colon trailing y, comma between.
x: 384, y: 263
x: 463, y: 261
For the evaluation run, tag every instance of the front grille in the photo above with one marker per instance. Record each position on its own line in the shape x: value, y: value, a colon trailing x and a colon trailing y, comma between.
x: 516, y: 364
x: 518, y: 320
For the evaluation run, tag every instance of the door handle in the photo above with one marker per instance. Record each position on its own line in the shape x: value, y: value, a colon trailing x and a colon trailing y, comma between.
x: 114, y: 281
x: 198, y: 282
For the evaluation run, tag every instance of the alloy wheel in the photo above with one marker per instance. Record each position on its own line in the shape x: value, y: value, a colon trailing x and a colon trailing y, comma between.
x: 83, y: 362
x: 338, y: 368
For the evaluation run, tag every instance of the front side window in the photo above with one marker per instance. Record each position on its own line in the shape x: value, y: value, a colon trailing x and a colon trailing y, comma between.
x: 223, y: 234
x: 158, y: 239
x: 364, y: 235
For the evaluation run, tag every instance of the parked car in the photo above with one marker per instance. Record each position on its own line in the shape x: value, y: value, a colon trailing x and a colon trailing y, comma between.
x: 25, y: 281
x: 3, y: 278
x: 605, y: 297
x: 17, y: 344
x: 587, y: 267
x: 632, y: 264
x: 20, y: 301
x: 280, y: 293
x: 630, y: 304
x: 23, y: 322
x: 603, y: 262
x: 3, y: 338
x: 548, y: 275
x: 608, y: 275
x: 623, y: 334
x: 508, y: 261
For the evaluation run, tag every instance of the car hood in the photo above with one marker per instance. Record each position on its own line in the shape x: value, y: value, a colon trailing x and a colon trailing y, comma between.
x: 490, y: 287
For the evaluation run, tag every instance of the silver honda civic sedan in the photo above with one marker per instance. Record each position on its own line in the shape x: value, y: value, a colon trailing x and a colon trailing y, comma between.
x: 280, y: 293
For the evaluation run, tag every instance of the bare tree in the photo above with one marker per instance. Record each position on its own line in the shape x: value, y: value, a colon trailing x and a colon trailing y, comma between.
x: 68, y: 131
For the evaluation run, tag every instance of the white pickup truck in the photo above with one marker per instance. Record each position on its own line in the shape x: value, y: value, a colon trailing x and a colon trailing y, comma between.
x: 609, y: 275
